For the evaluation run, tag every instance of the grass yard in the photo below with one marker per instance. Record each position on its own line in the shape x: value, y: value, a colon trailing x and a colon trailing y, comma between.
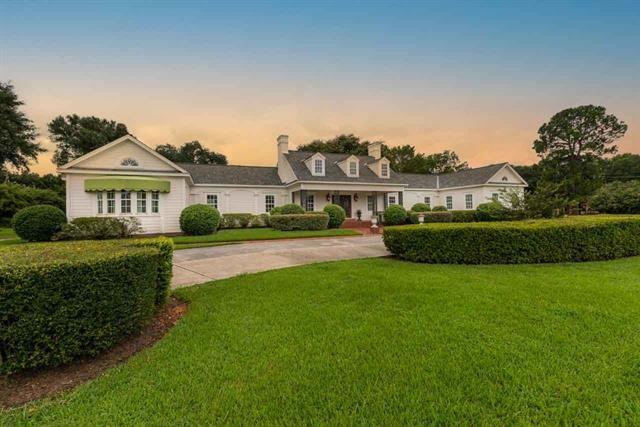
x: 8, y: 237
x: 244, y: 234
x: 382, y: 341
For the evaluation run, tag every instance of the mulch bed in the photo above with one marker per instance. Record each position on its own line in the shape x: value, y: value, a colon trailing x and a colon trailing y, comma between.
x: 23, y: 387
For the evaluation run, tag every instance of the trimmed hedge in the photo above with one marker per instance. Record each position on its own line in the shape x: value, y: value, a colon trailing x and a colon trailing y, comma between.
x: 336, y: 213
x: 288, y: 209
x: 492, y: 211
x: 244, y: 220
x: 395, y: 215
x: 420, y: 207
x: 199, y: 220
x: 99, y: 228
x: 38, y: 223
x: 439, y: 208
x: 313, y: 221
x: 535, y: 241
x: 60, y: 301
x: 463, y: 216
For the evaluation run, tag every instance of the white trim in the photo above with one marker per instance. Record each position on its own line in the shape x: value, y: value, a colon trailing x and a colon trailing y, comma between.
x: 130, y: 138
x: 507, y: 165
x: 504, y: 184
x: 240, y: 185
x: 346, y: 183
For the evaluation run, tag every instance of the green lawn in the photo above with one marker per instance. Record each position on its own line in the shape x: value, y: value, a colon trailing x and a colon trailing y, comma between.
x: 384, y: 342
x: 243, y: 234
x: 8, y: 237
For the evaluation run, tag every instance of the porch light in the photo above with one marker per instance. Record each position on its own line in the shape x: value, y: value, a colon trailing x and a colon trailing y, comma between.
x: 328, y: 197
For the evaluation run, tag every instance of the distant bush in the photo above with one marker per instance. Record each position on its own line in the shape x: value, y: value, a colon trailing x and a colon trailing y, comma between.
x: 288, y: 209
x: 99, y: 228
x: 586, y: 238
x: 617, y: 197
x: 439, y: 208
x: 420, y: 207
x: 14, y: 197
x: 463, y: 216
x: 395, y: 215
x: 300, y: 222
x: 199, y: 220
x: 336, y: 213
x: 67, y: 300
x: 492, y: 211
x: 38, y: 223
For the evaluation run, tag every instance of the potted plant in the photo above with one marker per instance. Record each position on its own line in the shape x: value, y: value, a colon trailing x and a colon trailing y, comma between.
x: 359, y: 214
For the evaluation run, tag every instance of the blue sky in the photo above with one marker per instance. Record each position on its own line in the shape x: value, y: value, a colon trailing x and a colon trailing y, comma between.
x: 475, y: 77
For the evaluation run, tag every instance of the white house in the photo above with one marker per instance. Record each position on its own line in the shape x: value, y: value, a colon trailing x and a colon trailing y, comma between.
x: 127, y: 178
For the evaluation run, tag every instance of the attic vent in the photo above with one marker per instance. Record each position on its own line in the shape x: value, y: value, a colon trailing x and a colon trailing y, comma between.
x: 129, y: 162
x: 504, y: 178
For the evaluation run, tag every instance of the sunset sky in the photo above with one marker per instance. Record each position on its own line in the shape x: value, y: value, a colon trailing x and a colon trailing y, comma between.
x: 475, y: 77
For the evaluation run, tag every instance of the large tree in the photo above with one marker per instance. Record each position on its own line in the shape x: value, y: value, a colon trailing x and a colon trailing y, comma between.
x: 18, y: 146
x: 191, y: 152
x: 75, y: 136
x: 572, y: 144
x: 345, y: 144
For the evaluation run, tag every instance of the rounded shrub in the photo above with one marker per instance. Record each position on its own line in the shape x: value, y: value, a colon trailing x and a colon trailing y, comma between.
x: 492, y: 211
x: 439, y: 208
x: 336, y: 213
x: 288, y: 209
x: 420, y: 207
x: 199, y: 220
x: 395, y: 215
x: 38, y: 223
x: 585, y: 238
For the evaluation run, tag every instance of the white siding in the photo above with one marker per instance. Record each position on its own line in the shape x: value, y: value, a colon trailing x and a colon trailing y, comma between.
x: 238, y: 199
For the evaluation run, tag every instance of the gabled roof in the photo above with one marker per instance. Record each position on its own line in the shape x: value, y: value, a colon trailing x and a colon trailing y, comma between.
x: 120, y: 140
x: 239, y: 175
x: 463, y: 178
x: 333, y: 173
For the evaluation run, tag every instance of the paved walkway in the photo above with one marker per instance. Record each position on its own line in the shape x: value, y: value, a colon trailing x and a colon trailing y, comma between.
x: 199, y: 265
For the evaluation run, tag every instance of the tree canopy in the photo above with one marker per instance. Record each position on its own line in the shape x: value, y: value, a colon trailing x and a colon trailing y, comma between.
x: 18, y: 146
x: 403, y: 158
x: 191, y: 152
x: 75, y: 136
x: 572, y: 144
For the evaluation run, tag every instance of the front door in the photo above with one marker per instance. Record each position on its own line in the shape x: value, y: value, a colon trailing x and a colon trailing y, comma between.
x: 345, y: 202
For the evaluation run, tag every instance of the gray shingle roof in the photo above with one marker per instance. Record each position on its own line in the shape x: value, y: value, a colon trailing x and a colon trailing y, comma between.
x: 241, y: 175
x: 333, y: 173
x: 476, y: 176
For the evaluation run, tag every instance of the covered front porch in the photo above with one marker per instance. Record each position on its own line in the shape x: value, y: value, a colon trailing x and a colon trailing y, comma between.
x: 359, y: 203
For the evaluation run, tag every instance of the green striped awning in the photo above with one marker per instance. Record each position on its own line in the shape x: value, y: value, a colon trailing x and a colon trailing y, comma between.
x: 130, y: 183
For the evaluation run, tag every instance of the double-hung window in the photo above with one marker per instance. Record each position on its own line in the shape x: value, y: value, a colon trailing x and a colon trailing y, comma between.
x: 392, y: 199
x: 269, y: 202
x: 427, y: 201
x: 449, y: 201
x: 495, y: 196
x: 212, y: 200
x: 141, y: 202
x: 125, y: 202
x: 353, y: 168
x: 370, y: 203
x: 468, y: 201
x: 155, y: 202
x: 317, y: 165
x: 111, y: 202
x: 100, y: 206
x: 384, y: 170
x: 310, y: 203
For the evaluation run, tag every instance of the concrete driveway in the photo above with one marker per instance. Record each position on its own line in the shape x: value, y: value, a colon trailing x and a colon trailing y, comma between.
x: 199, y: 265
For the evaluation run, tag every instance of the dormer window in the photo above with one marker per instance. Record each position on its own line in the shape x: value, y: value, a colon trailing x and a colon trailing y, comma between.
x: 384, y: 170
x: 318, y: 167
x: 353, y: 168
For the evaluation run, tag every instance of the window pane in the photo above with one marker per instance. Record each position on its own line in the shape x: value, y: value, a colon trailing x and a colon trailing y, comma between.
x: 468, y: 201
x: 427, y: 201
x: 318, y: 166
x: 392, y: 200
x: 385, y: 169
x: 212, y: 200
x: 269, y: 202
x: 310, y: 203
x: 99, y: 196
x: 111, y: 202
x: 353, y: 168
x: 449, y: 202
x: 370, y: 203
x: 155, y: 202
x: 141, y: 202
x: 125, y: 202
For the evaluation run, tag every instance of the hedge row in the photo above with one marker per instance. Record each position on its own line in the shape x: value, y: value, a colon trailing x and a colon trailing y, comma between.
x: 244, y: 220
x: 60, y: 301
x: 534, y: 241
x: 308, y: 221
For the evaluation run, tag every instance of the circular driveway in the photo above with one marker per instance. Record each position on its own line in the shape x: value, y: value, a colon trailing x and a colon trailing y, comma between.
x: 199, y: 265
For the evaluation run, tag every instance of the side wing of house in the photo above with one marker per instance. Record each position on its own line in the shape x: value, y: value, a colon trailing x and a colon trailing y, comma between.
x: 125, y: 178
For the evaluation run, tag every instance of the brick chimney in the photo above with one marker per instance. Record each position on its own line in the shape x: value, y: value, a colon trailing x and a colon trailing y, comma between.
x: 374, y: 149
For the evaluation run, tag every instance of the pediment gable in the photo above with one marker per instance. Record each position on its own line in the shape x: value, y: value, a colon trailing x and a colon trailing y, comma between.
x: 507, y: 175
